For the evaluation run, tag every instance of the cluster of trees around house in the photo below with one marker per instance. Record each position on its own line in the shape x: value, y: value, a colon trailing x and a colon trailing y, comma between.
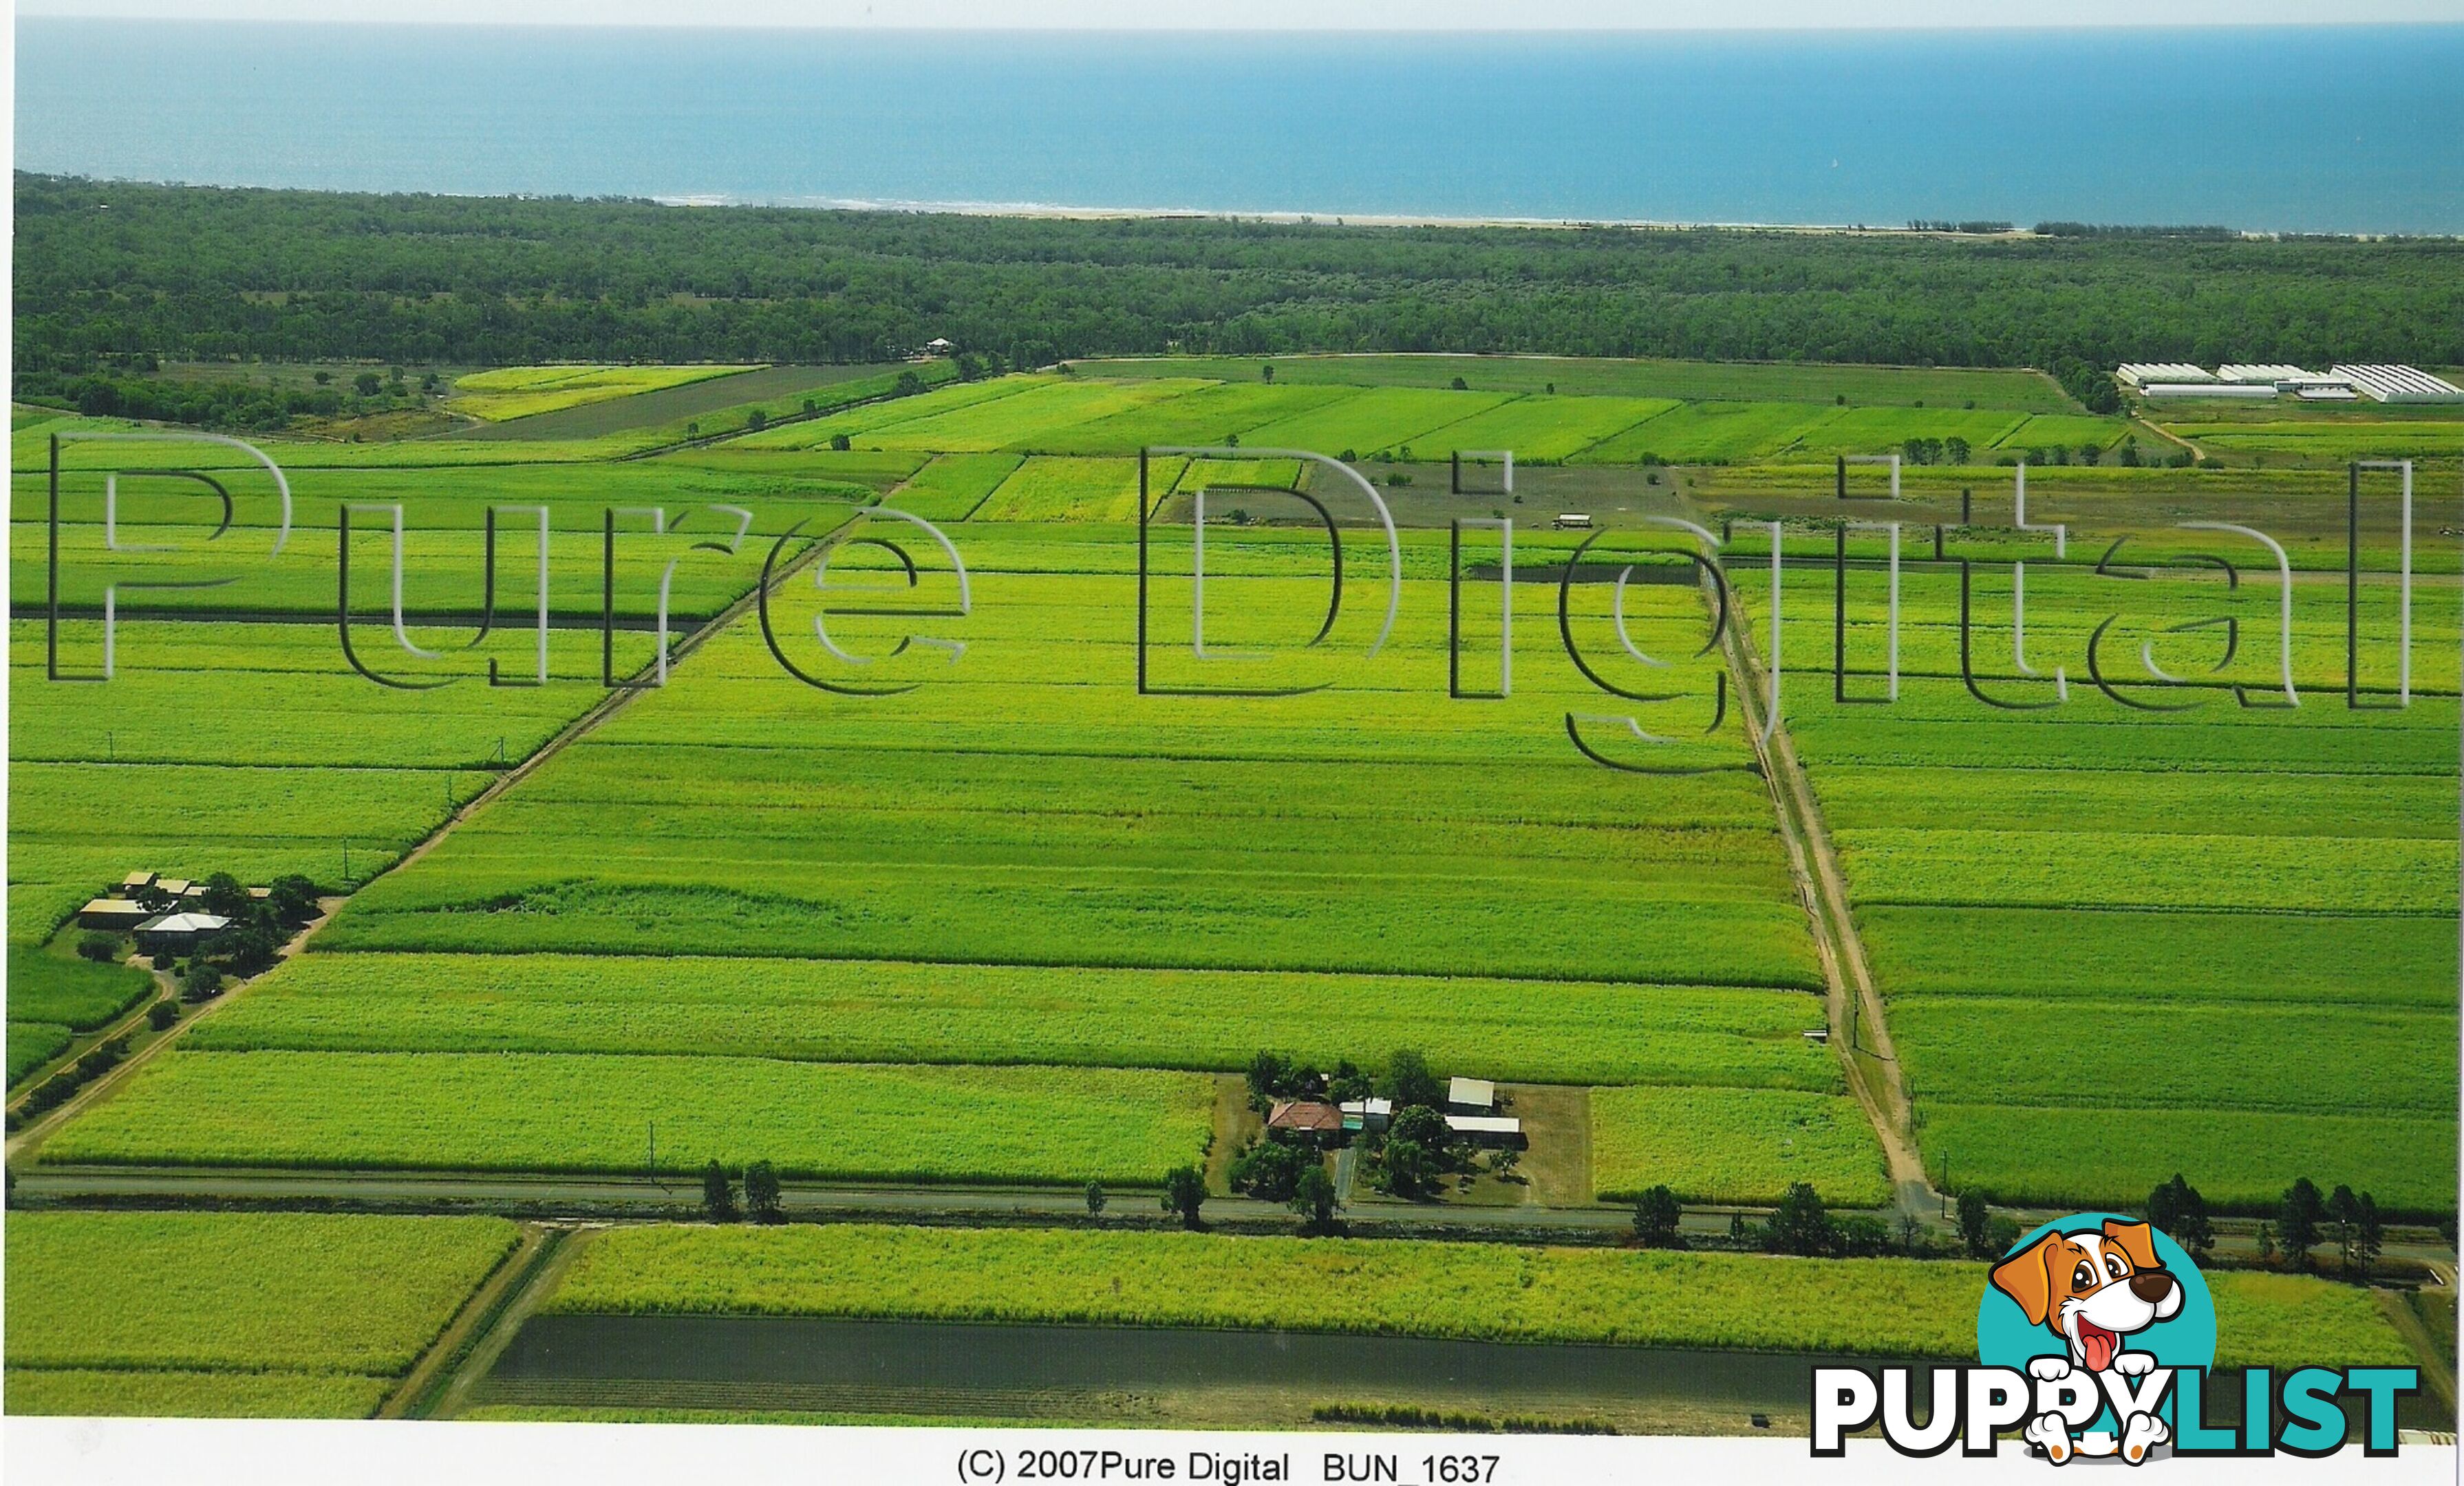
x: 1413, y: 1157
x: 247, y: 946
x: 107, y: 270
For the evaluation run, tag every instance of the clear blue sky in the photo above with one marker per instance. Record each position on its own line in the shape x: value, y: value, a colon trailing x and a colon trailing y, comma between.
x: 1293, y: 15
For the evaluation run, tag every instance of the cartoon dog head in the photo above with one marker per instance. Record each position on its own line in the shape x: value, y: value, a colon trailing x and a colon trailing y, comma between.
x: 2092, y: 1288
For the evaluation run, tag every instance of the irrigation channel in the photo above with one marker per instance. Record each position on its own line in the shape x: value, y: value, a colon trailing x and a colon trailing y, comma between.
x: 1127, y: 1374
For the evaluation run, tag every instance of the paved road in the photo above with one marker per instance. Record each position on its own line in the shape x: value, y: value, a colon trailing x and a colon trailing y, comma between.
x: 679, y: 1196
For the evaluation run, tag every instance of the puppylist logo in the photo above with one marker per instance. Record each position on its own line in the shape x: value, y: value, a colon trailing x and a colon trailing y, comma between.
x: 2096, y: 1338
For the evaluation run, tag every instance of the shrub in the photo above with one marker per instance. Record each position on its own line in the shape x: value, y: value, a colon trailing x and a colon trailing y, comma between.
x: 761, y: 1194
x: 99, y: 947
x: 1313, y: 1199
x: 1409, y: 1081
x: 717, y: 1193
x: 2299, y: 1221
x: 293, y: 899
x: 2178, y: 1209
x: 1974, y: 1227
x: 162, y: 1015
x: 1656, y: 1213
x: 1185, y: 1191
x: 1422, y: 1126
x: 226, y: 897
x: 1862, y: 1237
x: 1799, y: 1225
x: 1407, y: 1168
x: 1270, y: 1171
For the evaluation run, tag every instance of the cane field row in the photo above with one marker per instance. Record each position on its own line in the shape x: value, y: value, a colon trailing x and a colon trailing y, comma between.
x: 53, y: 996
x: 887, y: 1012
x: 272, y: 1315
x: 531, y: 1112
x: 2118, y: 636
x: 2170, y: 930
x: 2124, y: 519
x: 1163, y: 864
x: 1871, y: 1308
x: 34, y: 1043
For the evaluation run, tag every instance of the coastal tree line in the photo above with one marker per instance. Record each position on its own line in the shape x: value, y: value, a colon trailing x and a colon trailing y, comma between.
x: 108, y: 274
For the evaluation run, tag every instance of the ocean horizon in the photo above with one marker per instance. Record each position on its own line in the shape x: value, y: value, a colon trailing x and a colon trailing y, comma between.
x: 2295, y: 129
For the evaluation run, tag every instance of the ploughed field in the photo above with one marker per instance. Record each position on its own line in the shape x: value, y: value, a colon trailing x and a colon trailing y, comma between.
x: 1008, y: 926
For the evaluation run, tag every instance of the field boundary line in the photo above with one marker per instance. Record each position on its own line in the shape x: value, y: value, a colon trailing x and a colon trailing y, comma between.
x: 1852, y: 1001
x: 2437, y: 1368
x: 453, y: 1338
x: 471, y: 1342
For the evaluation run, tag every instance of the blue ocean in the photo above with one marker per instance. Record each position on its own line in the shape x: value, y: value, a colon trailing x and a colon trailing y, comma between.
x: 2291, y: 129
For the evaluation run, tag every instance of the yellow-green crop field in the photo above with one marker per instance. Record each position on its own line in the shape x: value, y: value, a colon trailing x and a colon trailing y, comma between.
x: 284, y: 1314
x: 1029, y: 879
x: 896, y: 880
x: 513, y: 392
x: 2120, y: 939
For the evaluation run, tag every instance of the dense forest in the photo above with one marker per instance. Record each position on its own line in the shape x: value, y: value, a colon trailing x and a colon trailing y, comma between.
x: 109, y: 274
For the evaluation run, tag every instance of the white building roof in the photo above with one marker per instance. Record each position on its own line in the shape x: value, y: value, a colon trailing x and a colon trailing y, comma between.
x: 1383, y: 1108
x: 185, y: 924
x: 1483, y: 1125
x: 2240, y: 389
x: 2270, y: 372
x: 1478, y: 1092
x: 2399, y: 383
x: 2142, y: 373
